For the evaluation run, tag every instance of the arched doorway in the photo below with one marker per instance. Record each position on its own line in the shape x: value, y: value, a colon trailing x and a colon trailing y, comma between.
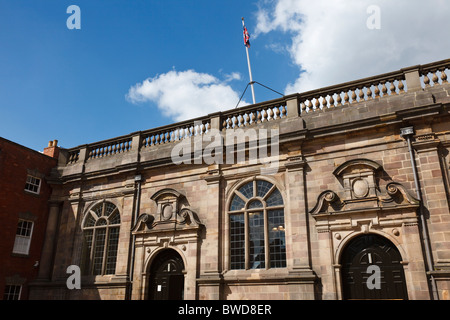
x: 166, y: 281
x: 372, y: 250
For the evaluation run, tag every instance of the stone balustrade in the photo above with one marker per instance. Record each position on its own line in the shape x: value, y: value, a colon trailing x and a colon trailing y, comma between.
x: 433, y: 74
x: 254, y: 114
x: 175, y: 132
x: 353, y: 92
x: 415, y: 78
x: 109, y: 147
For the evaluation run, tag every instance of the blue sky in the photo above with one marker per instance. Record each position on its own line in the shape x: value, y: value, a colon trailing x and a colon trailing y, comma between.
x: 134, y: 61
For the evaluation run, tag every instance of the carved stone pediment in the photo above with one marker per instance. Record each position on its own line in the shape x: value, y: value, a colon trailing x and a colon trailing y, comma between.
x: 361, y: 192
x: 173, y: 213
x: 396, y: 196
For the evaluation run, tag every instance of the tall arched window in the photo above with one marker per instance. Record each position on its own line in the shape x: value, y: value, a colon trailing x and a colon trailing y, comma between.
x: 257, y: 231
x: 100, y: 239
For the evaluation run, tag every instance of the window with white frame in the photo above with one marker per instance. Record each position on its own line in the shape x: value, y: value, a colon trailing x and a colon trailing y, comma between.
x: 23, y: 237
x: 256, y: 224
x: 12, y: 292
x: 33, y: 184
x: 100, y: 239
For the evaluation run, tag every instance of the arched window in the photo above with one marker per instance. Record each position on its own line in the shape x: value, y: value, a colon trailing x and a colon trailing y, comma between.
x: 257, y: 231
x: 100, y: 239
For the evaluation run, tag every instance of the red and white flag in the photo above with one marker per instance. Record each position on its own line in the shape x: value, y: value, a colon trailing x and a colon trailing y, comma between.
x: 246, y: 38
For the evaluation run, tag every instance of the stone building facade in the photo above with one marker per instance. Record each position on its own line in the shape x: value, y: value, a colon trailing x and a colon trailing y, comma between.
x: 336, y: 193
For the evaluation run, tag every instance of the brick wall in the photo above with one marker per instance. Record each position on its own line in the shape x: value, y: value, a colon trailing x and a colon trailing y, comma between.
x: 16, y: 162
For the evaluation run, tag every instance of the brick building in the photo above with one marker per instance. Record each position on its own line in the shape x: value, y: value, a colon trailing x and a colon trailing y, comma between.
x: 336, y: 193
x: 24, y: 208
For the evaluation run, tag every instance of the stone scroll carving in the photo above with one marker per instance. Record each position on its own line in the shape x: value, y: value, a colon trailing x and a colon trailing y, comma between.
x: 172, y: 211
x: 361, y: 191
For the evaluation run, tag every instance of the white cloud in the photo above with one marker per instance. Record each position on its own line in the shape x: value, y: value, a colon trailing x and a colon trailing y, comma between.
x: 232, y: 76
x: 331, y: 43
x: 183, y: 95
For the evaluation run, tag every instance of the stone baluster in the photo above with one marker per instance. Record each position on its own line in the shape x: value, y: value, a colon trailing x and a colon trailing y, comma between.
x: 426, y: 81
x: 270, y: 113
x: 253, y: 117
x: 369, y: 92
x: 361, y: 94
x: 324, y: 102
x: 346, y: 98
x: 317, y: 104
x: 435, y: 78
x: 377, y: 91
x: 383, y: 88
x: 353, y: 91
x: 264, y: 114
x: 392, y: 87
x: 277, y: 112
x: 331, y: 102
x: 302, y: 108
x: 310, y: 105
x: 443, y: 76
x: 401, y: 86
x: 339, y: 99
x: 246, y: 119
x: 283, y: 111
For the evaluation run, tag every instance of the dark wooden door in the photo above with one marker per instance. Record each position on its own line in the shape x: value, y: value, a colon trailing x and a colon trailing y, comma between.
x: 166, y: 277
x: 363, y: 252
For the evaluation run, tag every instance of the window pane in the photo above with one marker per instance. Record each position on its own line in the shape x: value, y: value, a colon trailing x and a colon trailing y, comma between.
x: 101, y: 237
x: 21, y: 245
x: 12, y: 292
x: 237, y: 243
x: 255, y: 204
x: 101, y: 222
x: 113, y: 241
x: 237, y: 203
x: 277, y: 243
x: 90, y: 221
x: 275, y: 199
x: 109, y: 208
x: 98, y: 250
x: 87, y: 245
x: 24, y: 228
x: 32, y: 184
x: 98, y: 210
x: 23, y: 237
x: 262, y: 188
x: 247, y: 190
x: 256, y: 245
x: 114, y: 218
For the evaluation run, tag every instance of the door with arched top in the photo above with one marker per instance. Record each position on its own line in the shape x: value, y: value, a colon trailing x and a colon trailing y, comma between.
x: 166, y: 281
x: 361, y: 282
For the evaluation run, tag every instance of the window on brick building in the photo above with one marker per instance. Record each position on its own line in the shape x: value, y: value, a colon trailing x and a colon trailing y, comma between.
x: 23, y: 237
x: 101, y: 227
x: 12, y: 292
x: 257, y: 230
x: 33, y: 184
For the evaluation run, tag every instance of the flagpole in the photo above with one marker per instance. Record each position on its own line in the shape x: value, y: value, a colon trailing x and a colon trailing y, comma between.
x: 249, y: 68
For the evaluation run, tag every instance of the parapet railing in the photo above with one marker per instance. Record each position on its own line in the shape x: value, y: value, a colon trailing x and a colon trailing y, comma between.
x: 435, y: 71
x: 414, y: 78
x: 253, y: 114
x: 175, y: 132
x: 353, y: 92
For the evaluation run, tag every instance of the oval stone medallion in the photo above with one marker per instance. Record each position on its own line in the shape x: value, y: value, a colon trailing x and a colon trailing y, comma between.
x: 360, y: 188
